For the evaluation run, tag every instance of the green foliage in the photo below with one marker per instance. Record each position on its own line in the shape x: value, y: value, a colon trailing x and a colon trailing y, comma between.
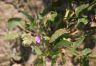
x: 78, y: 42
x: 27, y: 39
x: 37, y: 50
x: 14, y: 22
x: 51, y: 16
x: 92, y: 5
x: 63, y: 43
x: 73, y: 51
x: 57, y: 34
x: 11, y: 35
x: 67, y: 37
x: 28, y: 16
x: 86, y: 51
x: 83, y: 20
x: 81, y: 8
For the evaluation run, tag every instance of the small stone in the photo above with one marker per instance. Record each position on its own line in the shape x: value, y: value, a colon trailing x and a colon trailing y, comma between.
x: 16, y: 65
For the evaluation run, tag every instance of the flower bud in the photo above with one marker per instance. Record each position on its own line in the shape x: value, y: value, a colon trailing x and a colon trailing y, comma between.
x: 37, y: 39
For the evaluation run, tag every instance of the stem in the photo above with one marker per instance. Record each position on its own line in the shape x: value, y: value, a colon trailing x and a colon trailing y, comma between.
x: 66, y: 14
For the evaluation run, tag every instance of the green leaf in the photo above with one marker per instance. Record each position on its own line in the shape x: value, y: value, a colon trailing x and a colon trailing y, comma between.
x: 83, y: 20
x: 57, y: 34
x: 90, y: 8
x: 28, y: 16
x: 92, y: 5
x: 27, y: 39
x: 53, y: 53
x: 37, y: 50
x: 54, y: 59
x: 11, y: 35
x: 86, y: 51
x: 73, y: 51
x: 31, y: 23
x: 63, y: 43
x: 51, y: 16
x: 80, y: 8
x: 53, y: 62
x: 46, y: 37
x: 78, y: 42
x: 13, y: 22
x: 40, y: 16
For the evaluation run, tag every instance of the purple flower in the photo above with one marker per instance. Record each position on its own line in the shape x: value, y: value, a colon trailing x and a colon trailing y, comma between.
x: 37, y: 39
